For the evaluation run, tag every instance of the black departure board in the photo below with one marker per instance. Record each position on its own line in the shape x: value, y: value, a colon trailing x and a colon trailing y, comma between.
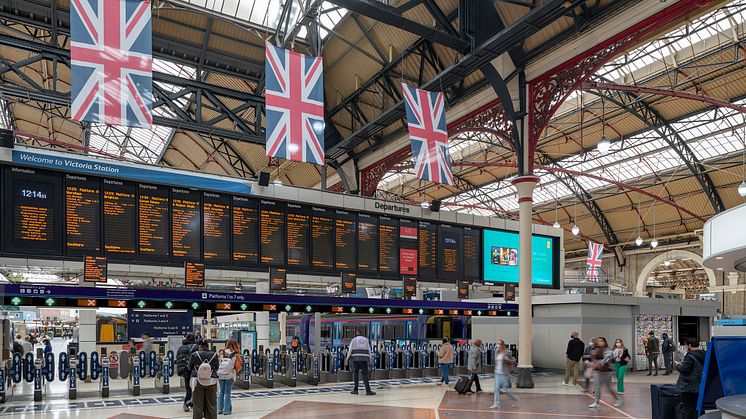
x: 472, y: 246
x: 298, y: 224
x: 388, y: 246
x: 278, y: 279
x: 408, y: 248
x: 120, y: 218
x: 194, y: 274
x: 450, y: 253
x: 32, y: 212
x: 82, y: 215
x: 409, y: 286
x: 245, y: 227
x: 463, y: 289
x: 94, y: 268
x: 367, y: 243
x: 322, y: 239
x: 272, y: 232
x: 344, y: 238
x: 216, y: 228
x: 349, y: 283
x: 186, y: 225
x: 427, y: 233
x: 154, y: 221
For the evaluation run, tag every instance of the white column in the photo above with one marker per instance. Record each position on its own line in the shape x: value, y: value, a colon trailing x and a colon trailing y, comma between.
x: 525, y: 186
x: 87, y: 330
x: 262, y: 318
x: 283, y: 318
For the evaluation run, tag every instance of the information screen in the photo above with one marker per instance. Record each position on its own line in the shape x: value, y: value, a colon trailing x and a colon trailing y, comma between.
x: 388, y: 246
x: 322, y: 239
x: 186, y: 226
x: 472, y: 242
x: 349, y: 283
x: 245, y: 214
x: 272, y: 233
x: 409, y: 286
x: 298, y: 231
x: 278, y: 279
x: 450, y: 253
x: 408, y: 247
x: 344, y: 238
x: 94, y: 269
x: 501, y: 258
x: 154, y: 217
x: 194, y: 274
x: 33, y: 210
x: 463, y: 289
x: 120, y: 216
x: 428, y: 251
x: 367, y: 239
x: 216, y: 227
x: 82, y: 215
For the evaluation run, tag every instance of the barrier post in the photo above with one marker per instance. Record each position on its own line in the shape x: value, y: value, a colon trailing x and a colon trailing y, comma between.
x: 38, y: 380
x: 72, y: 386
x: 104, y: 383
x: 3, y: 371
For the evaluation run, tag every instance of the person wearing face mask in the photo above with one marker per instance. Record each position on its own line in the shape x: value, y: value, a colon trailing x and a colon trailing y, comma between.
x: 588, y: 365
x: 603, y: 363
x: 621, y: 358
x: 574, y: 353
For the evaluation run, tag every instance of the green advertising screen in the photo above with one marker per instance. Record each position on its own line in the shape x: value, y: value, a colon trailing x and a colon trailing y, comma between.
x: 501, y: 258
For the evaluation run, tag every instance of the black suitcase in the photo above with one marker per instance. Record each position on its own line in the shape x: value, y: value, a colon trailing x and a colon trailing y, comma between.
x: 663, y: 399
x: 462, y: 385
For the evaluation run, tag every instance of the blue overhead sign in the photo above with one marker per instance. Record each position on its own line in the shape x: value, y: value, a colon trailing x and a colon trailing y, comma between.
x: 158, y: 323
x: 731, y: 322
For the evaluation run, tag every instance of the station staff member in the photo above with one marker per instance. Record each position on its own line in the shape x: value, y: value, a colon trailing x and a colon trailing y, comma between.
x: 361, y: 356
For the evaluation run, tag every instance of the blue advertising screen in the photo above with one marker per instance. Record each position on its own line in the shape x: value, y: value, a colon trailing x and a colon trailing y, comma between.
x: 501, y: 258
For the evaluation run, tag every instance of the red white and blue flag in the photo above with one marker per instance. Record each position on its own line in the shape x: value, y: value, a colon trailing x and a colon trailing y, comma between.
x: 428, y: 135
x: 594, y: 262
x: 294, y: 102
x: 112, y: 63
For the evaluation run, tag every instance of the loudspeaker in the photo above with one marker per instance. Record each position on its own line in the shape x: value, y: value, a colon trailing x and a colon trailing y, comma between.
x: 435, y: 206
x: 263, y: 178
x: 6, y: 138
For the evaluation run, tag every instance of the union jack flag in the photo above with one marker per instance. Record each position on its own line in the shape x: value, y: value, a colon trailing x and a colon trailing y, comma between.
x: 594, y: 262
x: 112, y: 63
x: 426, y: 120
x: 294, y: 101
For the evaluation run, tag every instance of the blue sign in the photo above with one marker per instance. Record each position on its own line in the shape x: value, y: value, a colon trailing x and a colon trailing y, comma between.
x: 724, y: 372
x: 731, y: 322
x: 131, y: 172
x: 158, y: 323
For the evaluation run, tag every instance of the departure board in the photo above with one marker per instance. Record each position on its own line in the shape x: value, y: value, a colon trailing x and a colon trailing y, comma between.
x: 298, y: 231
x: 463, y: 289
x: 409, y: 286
x: 186, y: 225
x: 349, y: 283
x: 322, y: 239
x: 194, y: 275
x: 33, y: 210
x: 428, y: 249
x: 408, y: 247
x: 245, y: 227
x: 94, y: 268
x: 154, y: 220
x: 344, y: 239
x: 272, y: 232
x: 450, y: 253
x: 472, y: 246
x: 367, y: 243
x: 278, y: 279
x: 388, y: 246
x: 216, y: 228
x: 120, y: 211
x: 82, y: 215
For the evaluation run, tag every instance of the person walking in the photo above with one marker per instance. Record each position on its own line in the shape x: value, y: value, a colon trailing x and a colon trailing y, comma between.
x: 574, y: 353
x: 47, y: 346
x: 652, y: 349
x: 588, y: 365
x: 188, y: 346
x: 621, y: 359
x: 474, y: 364
x: 504, y: 364
x: 690, y: 376
x: 203, y: 363
x: 229, y: 363
x: 667, y: 349
x: 603, y: 363
x: 361, y: 356
x: 445, y: 359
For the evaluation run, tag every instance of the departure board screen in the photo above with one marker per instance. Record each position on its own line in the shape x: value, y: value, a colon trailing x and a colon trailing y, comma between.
x: 428, y: 248
x: 408, y: 247
x: 94, y: 268
x: 278, y: 279
x: 349, y: 283
x: 450, y: 253
x: 463, y: 289
x: 154, y: 217
x: 272, y: 232
x: 298, y: 231
x: 82, y: 215
x: 367, y: 243
x: 33, y: 210
x: 194, y: 275
x: 388, y: 246
x: 245, y: 217
x: 120, y: 211
x: 344, y: 238
x: 186, y: 225
x: 322, y: 239
x: 472, y: 248
x: 216, y: 228
x: 409, y: 286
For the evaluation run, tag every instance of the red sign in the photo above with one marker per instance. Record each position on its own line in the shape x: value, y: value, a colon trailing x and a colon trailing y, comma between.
x: 408, y: 261
x: 113, y: 360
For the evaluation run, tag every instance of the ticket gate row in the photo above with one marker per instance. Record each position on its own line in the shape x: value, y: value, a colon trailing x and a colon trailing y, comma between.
x: 265, y: 367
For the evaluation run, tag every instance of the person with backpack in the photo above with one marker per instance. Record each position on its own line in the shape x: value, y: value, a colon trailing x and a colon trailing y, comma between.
x: 230, y: 363
x: 603, y: 362
x: 690, y: 376
x: 667, y: 349
x: 445, y: 360
x: 18, y: 345
x: 203, y: 363
x: 504, y: 364
x: 188, y: 346
x: 652, y: 349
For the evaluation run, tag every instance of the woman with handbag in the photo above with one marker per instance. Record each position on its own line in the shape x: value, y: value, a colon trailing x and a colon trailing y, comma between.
x: 504, y: 364
x: 603, y: 363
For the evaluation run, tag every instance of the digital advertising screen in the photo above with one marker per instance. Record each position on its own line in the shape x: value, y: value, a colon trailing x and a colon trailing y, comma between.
x: 501, y: 258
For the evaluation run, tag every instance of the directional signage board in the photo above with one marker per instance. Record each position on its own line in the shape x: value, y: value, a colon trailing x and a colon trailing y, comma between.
x: 158, y: 323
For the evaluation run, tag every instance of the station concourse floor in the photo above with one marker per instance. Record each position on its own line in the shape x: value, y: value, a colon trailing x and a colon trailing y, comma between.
x: 407, y: 398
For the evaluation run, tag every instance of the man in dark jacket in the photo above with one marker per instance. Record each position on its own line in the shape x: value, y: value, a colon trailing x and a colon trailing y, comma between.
x: 690, y: 371
x: 205, y: 393
x: 574, y: 353
x: 667, y: 349
x: 652, y: 349
x: 188, y: 346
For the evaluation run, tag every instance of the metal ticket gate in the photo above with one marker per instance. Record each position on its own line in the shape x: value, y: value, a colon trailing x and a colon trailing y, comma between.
x: 288, y: 371
x: 344, y: 372
x: 164, y: 370
x: 462, y: 360
x: 415, y: 361
x: 397, y: 363
x: 328, y: 366
x: 243, y: 378
x: 137, y: 367
x: 263, y: 370
x: 308, y: 369
x: 382, y: 365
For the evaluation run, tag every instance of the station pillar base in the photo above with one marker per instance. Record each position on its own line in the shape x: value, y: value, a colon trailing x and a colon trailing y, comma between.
x: 525, y: 379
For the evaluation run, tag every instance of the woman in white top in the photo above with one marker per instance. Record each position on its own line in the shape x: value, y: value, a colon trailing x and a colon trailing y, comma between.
x: 229, y: 359
x: 503, y: 365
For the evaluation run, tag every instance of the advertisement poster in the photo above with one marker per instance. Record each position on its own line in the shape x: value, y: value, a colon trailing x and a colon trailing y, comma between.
x: 501, y: 258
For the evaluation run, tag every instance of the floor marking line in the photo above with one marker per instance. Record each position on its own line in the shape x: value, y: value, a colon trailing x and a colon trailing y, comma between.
x: 574, y: 415
x: 611, y: 406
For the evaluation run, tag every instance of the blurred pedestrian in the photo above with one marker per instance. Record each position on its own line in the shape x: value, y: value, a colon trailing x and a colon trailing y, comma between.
x: 474, y: 364
x: 445, y: 360
x: 603, y: 362
x: 504, y: 365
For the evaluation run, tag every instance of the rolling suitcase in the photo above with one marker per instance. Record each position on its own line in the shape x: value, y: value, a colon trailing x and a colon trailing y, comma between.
x: 462, y: 386
x: 663, y: 399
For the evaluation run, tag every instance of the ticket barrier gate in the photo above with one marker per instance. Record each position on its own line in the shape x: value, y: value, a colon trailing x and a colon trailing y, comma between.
x: 308, y: 369
x: 243, y: 378
x: 262, y: 372
x: 164, y: 370
x: 431, y: 363
x: 344, y: 371
x: 328, y: 367
x: 398, y: 363
x: 381, y: 364
x: 137, y: 367
x: 287, y: 368
x: 461, y: 360
x: 415, y: 360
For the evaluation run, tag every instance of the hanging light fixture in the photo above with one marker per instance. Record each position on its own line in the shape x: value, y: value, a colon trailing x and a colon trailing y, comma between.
x: 425, y: 204
x: 575, y: 230
x: 742, y: 189
x: 654, y: 243
x: 742, y: 186
x: 603, y: 144
x: 556, y: 224
x: 638, y: 240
